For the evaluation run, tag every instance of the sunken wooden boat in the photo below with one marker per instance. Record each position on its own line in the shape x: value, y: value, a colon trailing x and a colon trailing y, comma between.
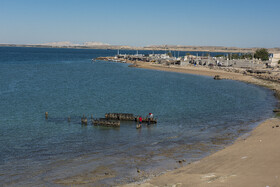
x: 128, y: 117
x: 147, y: 120
x: 120, y: 116
x: 105, y: 123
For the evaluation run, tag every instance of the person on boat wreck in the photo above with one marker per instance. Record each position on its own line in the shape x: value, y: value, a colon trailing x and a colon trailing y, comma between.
x: 150, y: 117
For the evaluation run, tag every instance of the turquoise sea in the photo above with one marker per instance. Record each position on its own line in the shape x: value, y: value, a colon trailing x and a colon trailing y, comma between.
x: 196, y: 115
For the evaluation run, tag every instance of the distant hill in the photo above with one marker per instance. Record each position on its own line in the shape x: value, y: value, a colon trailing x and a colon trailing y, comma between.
x: 95, y: 44
x: 100, y: 45
x: 70, y: 44
x: 59, y: 44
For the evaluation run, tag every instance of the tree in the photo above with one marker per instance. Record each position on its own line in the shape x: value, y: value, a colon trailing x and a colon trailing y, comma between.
x: 220, y: 56
x: 262, y: 54
x: 246, y: 56
x: 235, y: 56
x: 206, y: 54
x: 169, y: 54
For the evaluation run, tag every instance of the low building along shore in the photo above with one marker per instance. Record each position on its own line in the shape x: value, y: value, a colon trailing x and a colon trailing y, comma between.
x: 267, y: 70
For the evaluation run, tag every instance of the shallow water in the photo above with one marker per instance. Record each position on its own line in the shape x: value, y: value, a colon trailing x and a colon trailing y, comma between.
x: 195, y: 114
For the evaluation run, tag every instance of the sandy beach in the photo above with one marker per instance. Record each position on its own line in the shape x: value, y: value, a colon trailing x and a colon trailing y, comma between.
x: 252, y: 160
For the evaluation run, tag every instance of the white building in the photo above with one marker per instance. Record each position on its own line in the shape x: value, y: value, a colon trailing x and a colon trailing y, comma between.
x: 275, y: 59
x: 188, y: 57
x: 164, y: 56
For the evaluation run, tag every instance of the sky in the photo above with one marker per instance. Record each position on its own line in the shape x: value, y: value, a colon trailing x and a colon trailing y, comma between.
x: 232, y: 23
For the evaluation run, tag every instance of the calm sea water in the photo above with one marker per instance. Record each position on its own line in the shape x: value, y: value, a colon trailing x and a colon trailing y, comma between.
x: 196, y: 115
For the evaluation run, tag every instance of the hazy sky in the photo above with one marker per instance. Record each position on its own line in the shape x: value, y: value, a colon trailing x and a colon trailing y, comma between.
x: 241, y: 23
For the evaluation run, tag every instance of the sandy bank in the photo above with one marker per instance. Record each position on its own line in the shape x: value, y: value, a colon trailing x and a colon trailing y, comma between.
x: 250, y: 161
x: 200, y: 70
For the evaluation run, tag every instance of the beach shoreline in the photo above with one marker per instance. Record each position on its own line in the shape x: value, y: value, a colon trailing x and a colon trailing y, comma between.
x: 249, y: 161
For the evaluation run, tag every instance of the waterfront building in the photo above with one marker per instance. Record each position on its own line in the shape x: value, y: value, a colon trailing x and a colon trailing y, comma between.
x: 275, y: 59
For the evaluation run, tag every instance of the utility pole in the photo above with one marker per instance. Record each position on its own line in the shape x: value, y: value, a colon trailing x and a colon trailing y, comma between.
x: 227, y: 60
x: 252, y: 60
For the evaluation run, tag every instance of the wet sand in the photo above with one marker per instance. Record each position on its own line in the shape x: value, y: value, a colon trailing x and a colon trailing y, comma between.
x: 253, y: 160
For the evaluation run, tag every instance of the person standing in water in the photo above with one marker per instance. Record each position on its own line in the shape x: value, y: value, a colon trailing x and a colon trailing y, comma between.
x: 140, y: 120
x: 140, y: 123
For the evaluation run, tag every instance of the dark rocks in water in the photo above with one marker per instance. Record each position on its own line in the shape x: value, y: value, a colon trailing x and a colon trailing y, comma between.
x: 181, y: 161
x: 217, y: 77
